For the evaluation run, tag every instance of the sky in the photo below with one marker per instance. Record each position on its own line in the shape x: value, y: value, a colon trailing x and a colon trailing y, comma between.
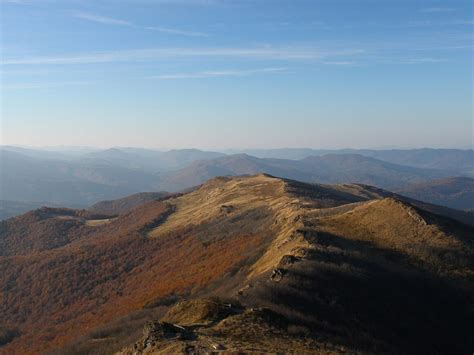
x: 216, y: 74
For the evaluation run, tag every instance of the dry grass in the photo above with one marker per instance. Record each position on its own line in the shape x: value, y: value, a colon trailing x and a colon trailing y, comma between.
x: 395, y: 225
x: 208, y: 202
x: 98, y: 222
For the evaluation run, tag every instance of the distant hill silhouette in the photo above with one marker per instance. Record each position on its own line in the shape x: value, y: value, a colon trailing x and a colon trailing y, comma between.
x: 148, y: 160
x: 24, y: 178
x: 457, y: 161
x: 80, y: 178
x: 332, y: 168
x: 456, y: 192
x: 10, y: 209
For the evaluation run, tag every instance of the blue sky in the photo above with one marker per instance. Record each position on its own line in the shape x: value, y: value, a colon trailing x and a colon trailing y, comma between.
x: 232, y: 74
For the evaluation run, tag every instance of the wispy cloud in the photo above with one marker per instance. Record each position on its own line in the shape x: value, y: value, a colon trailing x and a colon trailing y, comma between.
x: 427, y: 23
x: 139, y: 55
x: 101, y: 19
x: 174, y: 31
x: 342, y: 63
x: 105, y: 20
x: 409, y: 60
x: 439, y: 9
x: 218, y: 73
x: 423, y: 60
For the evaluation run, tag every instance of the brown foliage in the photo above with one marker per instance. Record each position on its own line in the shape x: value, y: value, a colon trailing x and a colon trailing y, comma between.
x: 115, y: 270
x: 43, y: 229
x: 124, y: 205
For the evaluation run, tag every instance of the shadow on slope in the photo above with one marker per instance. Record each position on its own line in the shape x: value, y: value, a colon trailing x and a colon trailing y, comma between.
x: 369, y: 298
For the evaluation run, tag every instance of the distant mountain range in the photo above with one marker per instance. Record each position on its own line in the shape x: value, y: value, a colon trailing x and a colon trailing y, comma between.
x: 80, y: 178
x: 147, y: 160
x: 331, y: 168
x: 457, y: 161
x: 66, y: 182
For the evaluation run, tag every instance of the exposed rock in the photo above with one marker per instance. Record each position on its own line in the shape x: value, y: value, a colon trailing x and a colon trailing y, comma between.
x: 287, y: 260
x: 202, y: 311
x: 411, y: 211
x: 156, y: 330
x: 277, y: 275
x: 307, y: 234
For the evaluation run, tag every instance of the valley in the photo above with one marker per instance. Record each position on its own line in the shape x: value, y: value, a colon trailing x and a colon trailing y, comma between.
x: 33, y: 178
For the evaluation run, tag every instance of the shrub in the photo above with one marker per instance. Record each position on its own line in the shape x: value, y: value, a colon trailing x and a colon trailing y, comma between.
x: 7, y: 335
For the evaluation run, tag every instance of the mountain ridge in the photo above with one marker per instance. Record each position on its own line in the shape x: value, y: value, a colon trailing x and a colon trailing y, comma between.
x: 325, y: 169
x: 73, y: 180
x: 262, y: 241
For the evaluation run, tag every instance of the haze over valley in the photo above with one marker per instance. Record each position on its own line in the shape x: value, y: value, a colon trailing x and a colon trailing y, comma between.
x: 32, y: 178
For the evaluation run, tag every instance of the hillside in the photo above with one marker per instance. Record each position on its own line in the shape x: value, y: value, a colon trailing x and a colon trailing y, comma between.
x: 459, y: 162
x: 44, y: 229
x: 125, y: 204
x: 70, y: 180
x: 330, y: 169
x: 233, y: 165
x: 457, y: 192
x: 456, y: 161
x: 354, y: 168
x: 304, y: 267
